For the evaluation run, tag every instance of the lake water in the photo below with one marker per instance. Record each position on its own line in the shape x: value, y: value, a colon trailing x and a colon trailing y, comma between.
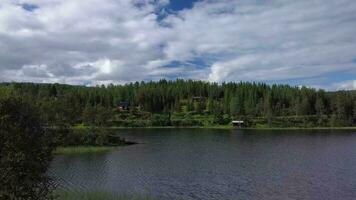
x: 219, y: 164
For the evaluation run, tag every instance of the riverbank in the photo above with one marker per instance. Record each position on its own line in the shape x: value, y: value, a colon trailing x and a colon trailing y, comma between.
x: 95, y: 195
x: 220, y: 127
x: 87, y: 140
x: 83, y: 149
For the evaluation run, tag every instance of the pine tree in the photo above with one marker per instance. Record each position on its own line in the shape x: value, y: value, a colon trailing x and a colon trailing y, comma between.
x: 354, y: 111
x: 320, y: 106
x: 234, y: 106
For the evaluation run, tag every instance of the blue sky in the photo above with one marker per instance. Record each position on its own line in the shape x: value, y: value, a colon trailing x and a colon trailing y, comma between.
x: 177, y: 5
x: 29, y: 7
x: 311, y: 43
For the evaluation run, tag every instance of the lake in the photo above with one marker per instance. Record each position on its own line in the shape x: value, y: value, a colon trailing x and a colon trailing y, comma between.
x: 219, y: 164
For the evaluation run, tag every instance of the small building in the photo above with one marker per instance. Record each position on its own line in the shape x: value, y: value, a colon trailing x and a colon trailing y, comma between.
x: 238, y: 123
x: 124, y: 106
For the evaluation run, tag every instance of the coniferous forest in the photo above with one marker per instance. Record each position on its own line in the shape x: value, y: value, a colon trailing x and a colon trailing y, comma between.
x: 187, y: 103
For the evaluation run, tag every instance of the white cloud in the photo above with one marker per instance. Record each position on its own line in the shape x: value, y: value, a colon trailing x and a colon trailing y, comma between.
x: 272, y: 41
x: 64, y: 34
x: 101, y: 41
x: 344, y: 85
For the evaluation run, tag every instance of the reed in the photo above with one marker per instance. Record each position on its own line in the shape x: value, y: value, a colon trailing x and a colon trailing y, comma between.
x: 96, y: 195
x: 83, y: 149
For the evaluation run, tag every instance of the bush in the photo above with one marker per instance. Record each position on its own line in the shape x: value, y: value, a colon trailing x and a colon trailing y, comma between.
x: 88, y: 137
x: 160, y: 120
x: 25, y: 153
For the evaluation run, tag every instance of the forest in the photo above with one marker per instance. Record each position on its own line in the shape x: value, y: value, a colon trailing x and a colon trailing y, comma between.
x: 186, y: 103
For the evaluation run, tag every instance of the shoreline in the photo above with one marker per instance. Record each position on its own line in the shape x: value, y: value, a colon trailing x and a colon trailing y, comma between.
x: 83, y: 149
x: 97, y: 195
x: 219, y: 127
x: 72, y: 150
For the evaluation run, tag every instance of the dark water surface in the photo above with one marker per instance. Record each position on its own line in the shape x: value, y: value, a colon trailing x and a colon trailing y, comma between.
x: 219, y: 164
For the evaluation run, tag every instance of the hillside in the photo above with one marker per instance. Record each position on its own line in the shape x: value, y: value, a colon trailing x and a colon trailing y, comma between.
x: 187, y: 103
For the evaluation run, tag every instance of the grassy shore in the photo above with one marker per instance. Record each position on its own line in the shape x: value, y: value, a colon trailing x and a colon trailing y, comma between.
x: 224, y: 127
x: 83, y: 149
x: 96, y: 195
x: 302, y: 128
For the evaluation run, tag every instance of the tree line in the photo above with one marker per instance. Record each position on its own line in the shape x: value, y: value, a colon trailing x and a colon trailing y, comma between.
x: 98, y: 105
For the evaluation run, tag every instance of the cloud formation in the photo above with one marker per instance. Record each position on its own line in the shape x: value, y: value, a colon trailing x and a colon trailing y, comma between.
x: 101, y: 41
x: 345, y: 85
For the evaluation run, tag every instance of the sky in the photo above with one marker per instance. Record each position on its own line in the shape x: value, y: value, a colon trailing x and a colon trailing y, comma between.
x: 91, y: 42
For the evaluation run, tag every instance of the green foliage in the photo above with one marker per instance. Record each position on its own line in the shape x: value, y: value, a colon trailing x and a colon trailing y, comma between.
x: 354, y: 112
x: 82, y: 149
x: 25, y: 152
x: 307, y: 121
x: 150, y: 103
x: 342, y: 109
x: 88, y: 137
x: 235, y: 106
x: 161, y: 120
x: 198, y: 107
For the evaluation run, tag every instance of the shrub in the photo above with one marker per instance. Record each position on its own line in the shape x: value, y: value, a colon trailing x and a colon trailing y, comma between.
x: 25, y: 153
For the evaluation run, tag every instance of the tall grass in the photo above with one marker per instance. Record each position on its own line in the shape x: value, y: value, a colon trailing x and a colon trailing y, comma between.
x: 83, y: 149
x: 95, y: 195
